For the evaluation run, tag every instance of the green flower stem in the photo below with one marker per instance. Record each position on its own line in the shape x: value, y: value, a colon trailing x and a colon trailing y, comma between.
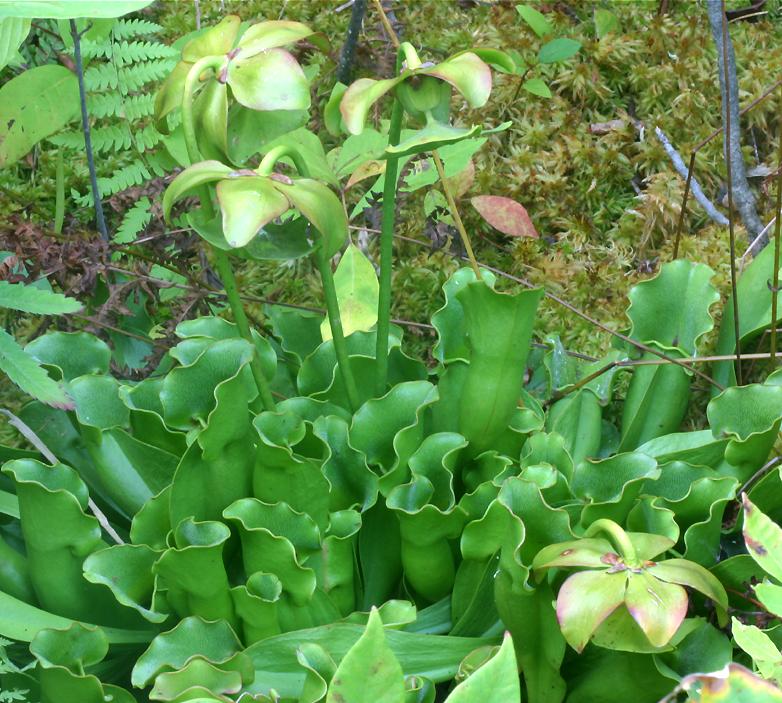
x: 455, y: 214
x: 387, y: 252
x: 619, y: 537
x: 222, y: 262
x: 335, y: 322
x: 326, y: 275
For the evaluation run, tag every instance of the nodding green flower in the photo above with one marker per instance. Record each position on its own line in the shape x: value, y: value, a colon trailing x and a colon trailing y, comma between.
x: 250, y: 199
x: 260, y: 74
x: 424, y: 90
x: 623, y: 589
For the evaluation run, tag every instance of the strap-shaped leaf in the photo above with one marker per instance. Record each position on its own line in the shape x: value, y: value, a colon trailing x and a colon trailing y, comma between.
x: 19, y: 296
x: 192, y: 177
x: 28, y: 374
x: 321, y: 207
x: 247, y: 205
x: 271, y: 80
x: 275, y: 33
x: 468, y: 74
x: 13, y: 31
x: 360, y: 96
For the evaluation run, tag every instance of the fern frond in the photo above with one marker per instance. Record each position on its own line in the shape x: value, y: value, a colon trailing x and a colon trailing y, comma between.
x: 96, y: 49
x: 125, y: 53
x: 133, y: 222
x: 139, y: 106
x: 111, y: 138
x: 126, y: 29
x: 107, y: 104
x: 134, y: 77
x: 131, y: 175
x: 102, y: 76
x: 147, y: 138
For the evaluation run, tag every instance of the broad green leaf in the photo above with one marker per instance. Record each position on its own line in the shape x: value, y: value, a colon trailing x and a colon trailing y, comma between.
x: 357, y: 293
x: 755, y: 642
x: 763, y: 538
x: 13, y: 31
x: 497, y: 681
x: 70, y: 9
x: 74, y: 648
x: 558, y: 50
x: 606, y: 22
x: 771, y: 596
x: 271, y: 80
x: 74, y: 353
x: 536, y: 20
x: 197, y: 674
x: 34, y: 105
x: 192, y: 637
x: 672, y: 309
x: 369, y: 670
x: 20, y: 296
x: 537, y: 86
x: 432, y: 656
x: 22, y: 621
x: 433, y: 136
x: 501, y: 60
x: 214, y: 41
x: 23, y: 370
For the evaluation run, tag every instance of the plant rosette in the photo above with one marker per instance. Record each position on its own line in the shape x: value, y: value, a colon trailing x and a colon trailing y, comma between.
x: 424, y: 91
x: 624, y: 599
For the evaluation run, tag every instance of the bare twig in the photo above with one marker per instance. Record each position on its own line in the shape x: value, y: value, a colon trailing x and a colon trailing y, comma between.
x: 30, y: 435
x: 85, y: 125
x: 731, y: 130
x: 684, y: 172
x: 737, y: 178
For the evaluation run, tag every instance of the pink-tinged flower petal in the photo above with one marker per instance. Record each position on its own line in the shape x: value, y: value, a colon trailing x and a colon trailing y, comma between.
x: 321, y: 207
x: 581, y: 552
x: 271, y: 80
x: 360, y: 96
x: 192, y: 177
x: 276, y: 33
x: 468, y: 74
x: 656, y: 606
x: 214, y: 42
x: 585, y: 600
x: 648, y: 546
x: 247, y: 205
x: 688, y: 573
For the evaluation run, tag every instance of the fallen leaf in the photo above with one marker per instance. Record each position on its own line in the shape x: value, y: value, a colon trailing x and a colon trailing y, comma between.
x: 505, y: 215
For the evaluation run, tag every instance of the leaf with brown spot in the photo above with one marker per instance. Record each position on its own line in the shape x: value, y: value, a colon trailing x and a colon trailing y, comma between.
x: 505, y: 215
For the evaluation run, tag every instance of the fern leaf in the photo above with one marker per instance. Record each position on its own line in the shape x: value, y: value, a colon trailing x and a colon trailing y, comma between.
x: 136, y: 76
x: 127, y: 29
x: 29, y: 375
x: 96, y: 49
x: 138, y: 106
x: 104, y: 139
x: 125, y: 53
x: 147, y: 138
x: 18, y: 296
x: 133, y: 174
x: 102, y: 76
x: 133, y: 222
x: 109, y: 104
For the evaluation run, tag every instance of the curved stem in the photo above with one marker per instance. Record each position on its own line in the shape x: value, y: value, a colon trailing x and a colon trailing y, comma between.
x: 335, y: 322
x: 222, y: 262
x: 455, y: 214
x: 411, y: 55
x: 387, y: 252
x: 618, y: 536
x: 269, y: 161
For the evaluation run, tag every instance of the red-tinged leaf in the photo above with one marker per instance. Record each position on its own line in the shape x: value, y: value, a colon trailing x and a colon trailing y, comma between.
x: 505, y: 215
